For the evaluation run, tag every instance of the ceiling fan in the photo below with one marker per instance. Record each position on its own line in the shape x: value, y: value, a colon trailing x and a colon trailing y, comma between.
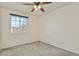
x: 37, y: 5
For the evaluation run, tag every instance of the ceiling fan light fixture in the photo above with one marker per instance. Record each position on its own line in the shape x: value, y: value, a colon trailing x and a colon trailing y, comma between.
x: 39, y: 6
x: 35, y: 6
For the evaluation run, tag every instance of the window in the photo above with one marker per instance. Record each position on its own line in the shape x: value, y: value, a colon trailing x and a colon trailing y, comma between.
x: 18, y: 23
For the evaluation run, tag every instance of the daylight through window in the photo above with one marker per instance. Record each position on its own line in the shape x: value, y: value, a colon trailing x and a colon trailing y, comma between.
x: 18, y: 23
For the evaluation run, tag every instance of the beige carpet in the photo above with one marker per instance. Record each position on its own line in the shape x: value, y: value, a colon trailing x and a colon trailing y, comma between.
x: 36, y: 49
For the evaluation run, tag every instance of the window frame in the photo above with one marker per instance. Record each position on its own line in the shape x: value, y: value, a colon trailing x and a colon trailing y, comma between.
x: 24, y: 29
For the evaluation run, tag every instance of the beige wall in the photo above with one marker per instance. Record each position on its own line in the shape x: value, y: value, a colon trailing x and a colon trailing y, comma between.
x: 61, y: 28
x: 0, y: 29
x: 12, y: 39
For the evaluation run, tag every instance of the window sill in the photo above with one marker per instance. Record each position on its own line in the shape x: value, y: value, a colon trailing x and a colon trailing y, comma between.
x: 18, y: 32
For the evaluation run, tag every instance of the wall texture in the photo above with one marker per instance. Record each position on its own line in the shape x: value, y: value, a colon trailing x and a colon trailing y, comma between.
x: 0, y: 29
x: 61, y: 28
x: 12, y: 39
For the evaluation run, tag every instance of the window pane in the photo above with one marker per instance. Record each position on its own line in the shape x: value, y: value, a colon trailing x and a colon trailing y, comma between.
x: 12, y: 22
x: 25, y: 21
x: 22, y: 21
x: 13, y: 25
x: 17, y: 22
x: 17, y: 25
x: 17, y: 19
x: 12, y: 18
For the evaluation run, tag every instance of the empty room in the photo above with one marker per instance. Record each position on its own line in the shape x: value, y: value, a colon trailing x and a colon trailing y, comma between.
x: 39, y: 28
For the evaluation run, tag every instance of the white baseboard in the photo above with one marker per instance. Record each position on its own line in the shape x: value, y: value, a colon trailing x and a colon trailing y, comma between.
x: 61, y: 47
x: 3, y: 48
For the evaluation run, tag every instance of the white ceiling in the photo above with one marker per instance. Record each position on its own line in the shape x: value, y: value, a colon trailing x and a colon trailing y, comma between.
x: 26, y: 9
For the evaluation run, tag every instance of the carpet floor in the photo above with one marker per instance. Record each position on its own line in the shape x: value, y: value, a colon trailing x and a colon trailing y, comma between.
x: 36, y: 49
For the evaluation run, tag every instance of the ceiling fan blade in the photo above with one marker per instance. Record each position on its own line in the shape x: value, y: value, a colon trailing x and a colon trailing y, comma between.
x: 33, y: 10
x: 36, y: 3
x: 46, y: 2
x: 27, y: 3
x: 42, y: 9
